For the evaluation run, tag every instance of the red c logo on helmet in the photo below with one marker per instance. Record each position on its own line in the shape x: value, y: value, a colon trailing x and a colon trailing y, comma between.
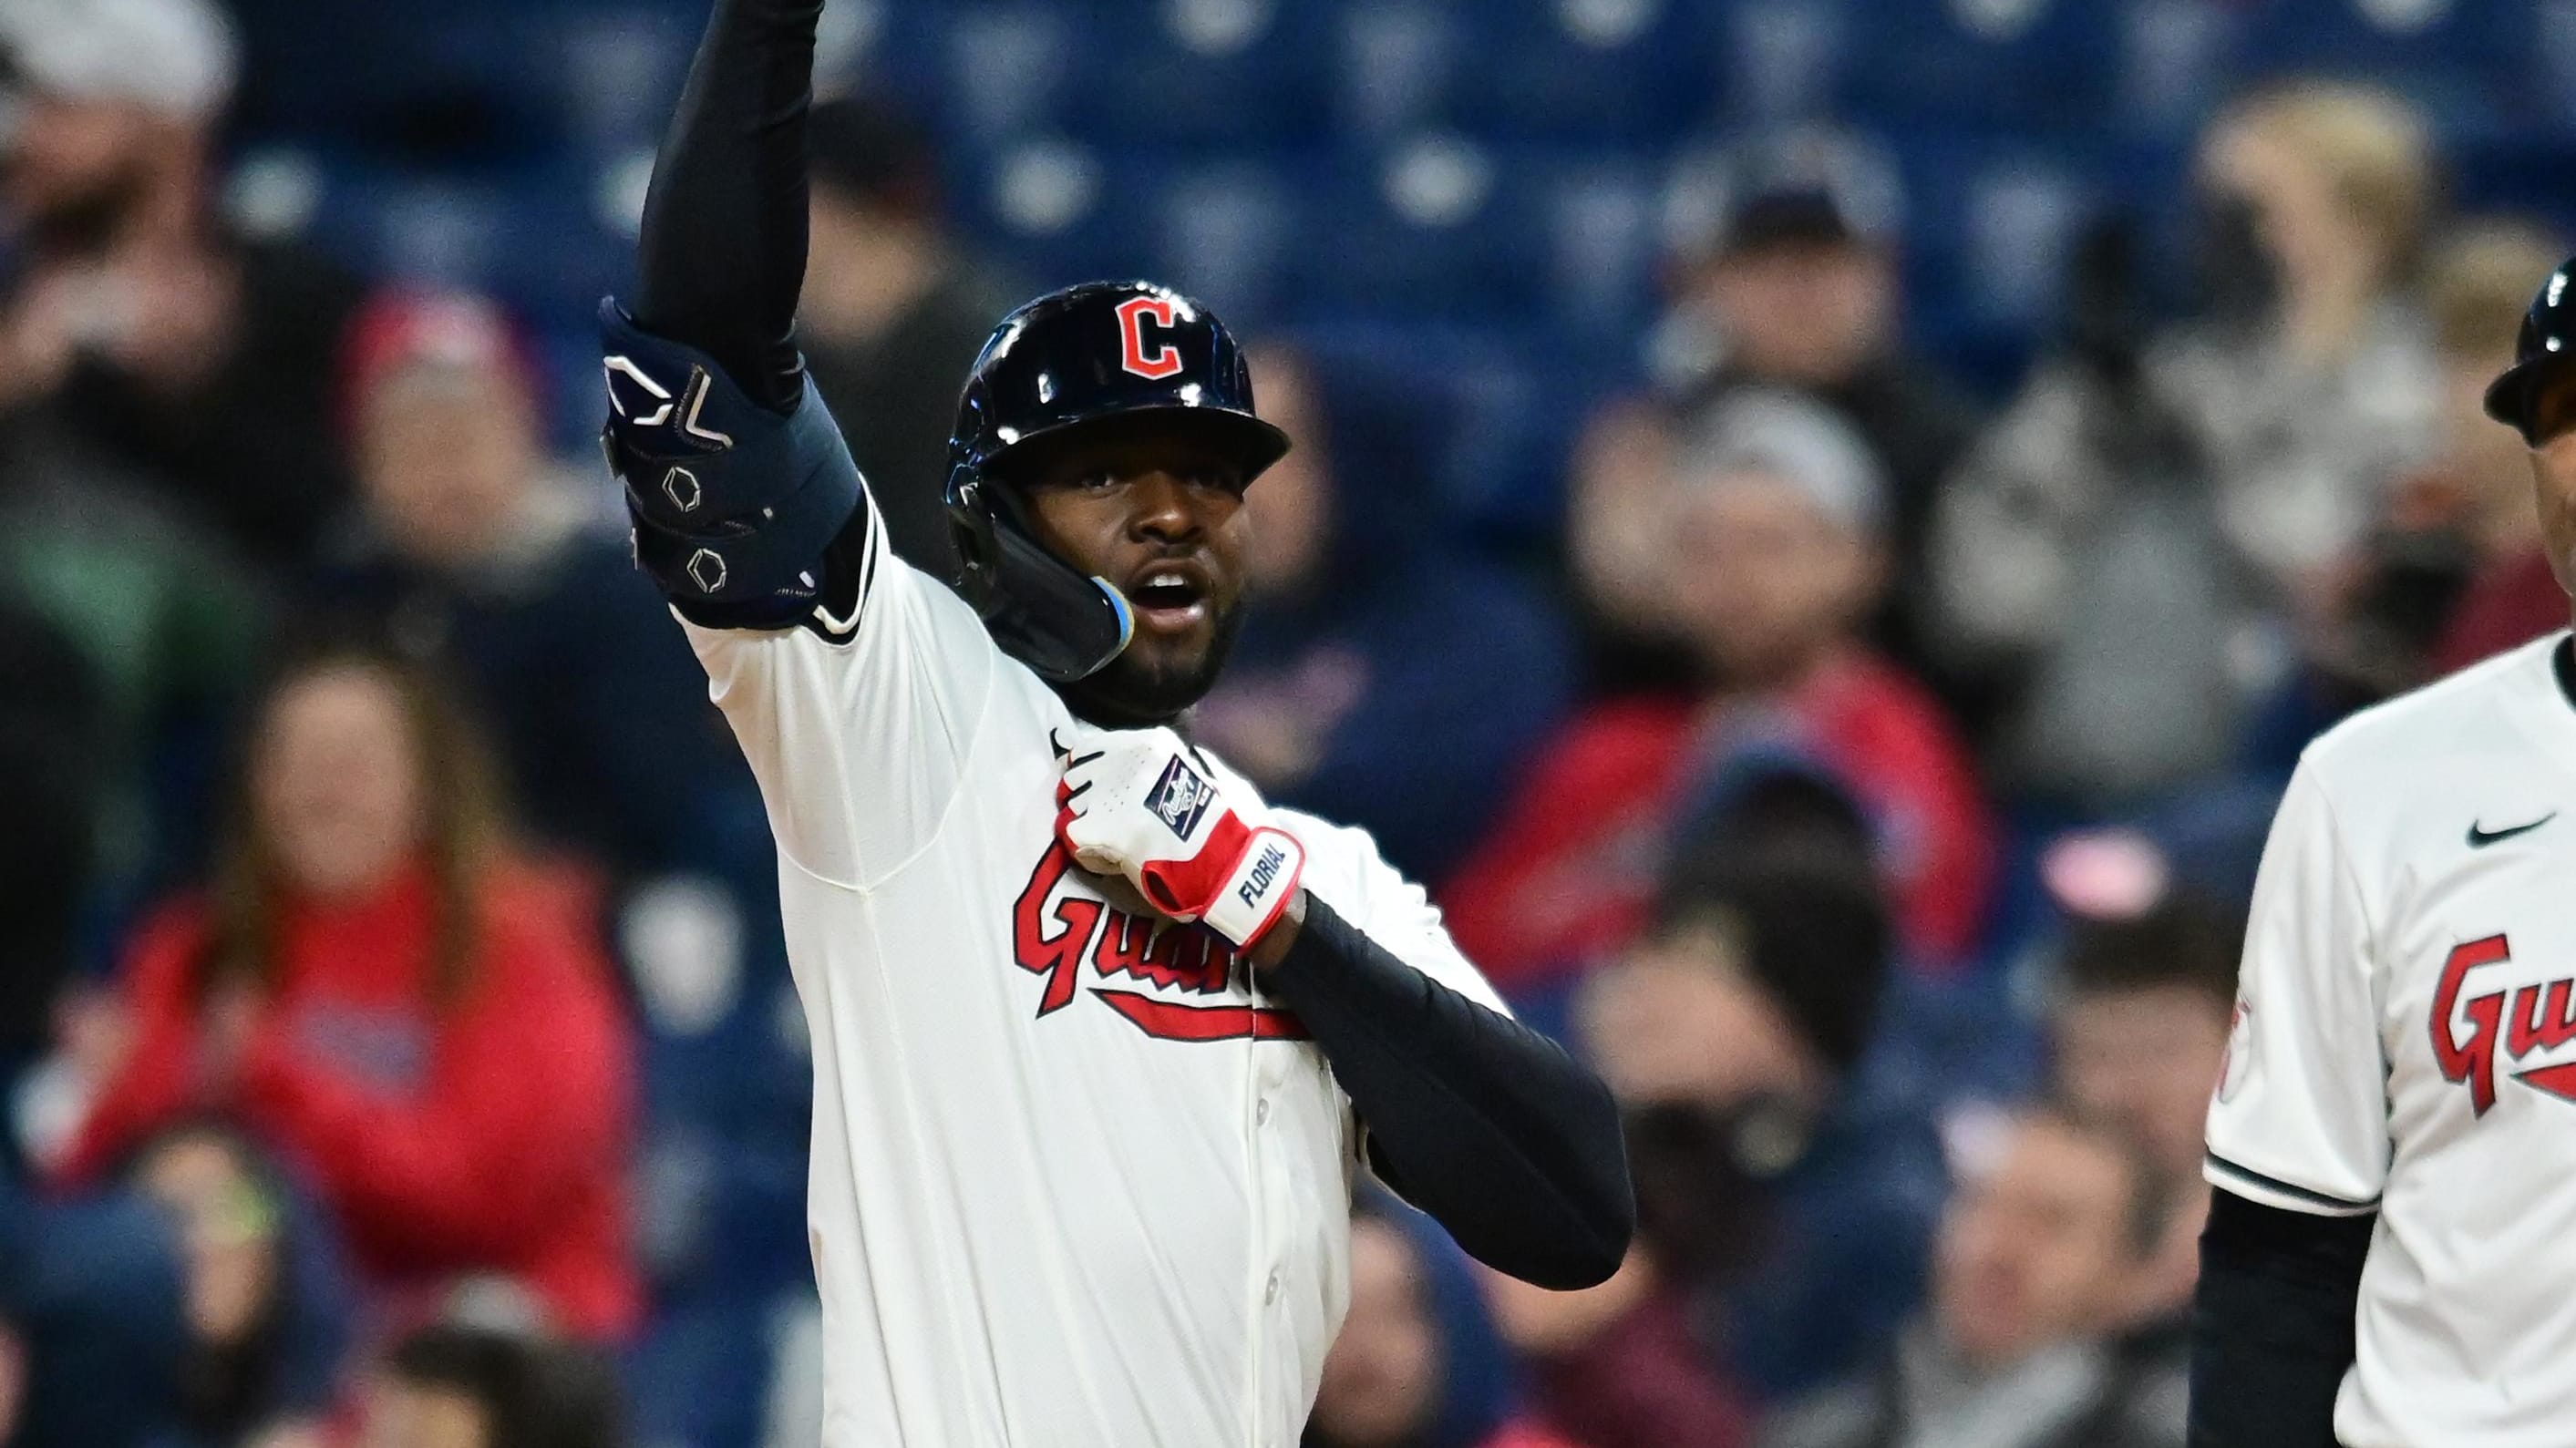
x: 1164, y: 359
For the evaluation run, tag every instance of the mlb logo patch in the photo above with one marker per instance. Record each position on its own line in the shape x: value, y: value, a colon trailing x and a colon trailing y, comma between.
x: 1180, y: 797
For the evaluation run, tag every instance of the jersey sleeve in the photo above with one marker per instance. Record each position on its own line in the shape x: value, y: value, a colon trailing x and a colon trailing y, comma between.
x: 1393, y: 911
x: 857, y: 724
x: 2300, y: 1120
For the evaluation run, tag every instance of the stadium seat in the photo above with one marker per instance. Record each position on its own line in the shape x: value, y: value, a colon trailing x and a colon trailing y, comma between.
x: 1982, y: 62
x: 1202, y: 73
x: 1584, y: 70
x: 1773, y: 62
x: 2469, y: 63
x: 1395, y: 67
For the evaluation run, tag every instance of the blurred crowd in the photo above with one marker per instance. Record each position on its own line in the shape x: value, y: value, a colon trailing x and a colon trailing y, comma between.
x: 395, y: 1040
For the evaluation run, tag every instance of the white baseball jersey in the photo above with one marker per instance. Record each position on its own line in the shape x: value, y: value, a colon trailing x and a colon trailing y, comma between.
x: 2405, y: 1043
x: 1074, y: 1180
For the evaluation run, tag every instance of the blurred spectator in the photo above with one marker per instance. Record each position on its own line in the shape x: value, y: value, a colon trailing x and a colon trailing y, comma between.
x: 51, y: 718
x: 894, y: 311
x: 1783, y: 275
x: 2124, y: 547
x: 1782, y: 1213
x: 1369, y: 632
x: 448, y: 1386
x: 1416, y: 1364
x: 473, y: 546
x: 93, y: 1328
x: 1778, y: 524
x: 267, y: 1307
x: 2477, y: 282
x: 165, y: 621
x: 376, y: 993
x: 2036, y: 1273
x: 2139, y: 1028
x: 192, y: 356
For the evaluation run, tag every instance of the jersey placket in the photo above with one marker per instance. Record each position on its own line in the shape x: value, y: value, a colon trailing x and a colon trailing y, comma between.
x: 1270, y: 1339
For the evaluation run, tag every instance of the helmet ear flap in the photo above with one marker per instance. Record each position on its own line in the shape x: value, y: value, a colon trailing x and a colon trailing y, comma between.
x: 1063, y: 625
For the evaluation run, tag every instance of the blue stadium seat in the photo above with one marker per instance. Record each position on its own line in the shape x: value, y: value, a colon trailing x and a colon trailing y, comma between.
x: 1231, y: 233
x: 1007, y: 72
x: 1054, y: 211
x: 2522, y: 176
x: 2469, y: 63
x: 1775, y: 62
x: 2175, y: 61
x: 1598, y: 217
x: 1185, y: 74
x: 1426, y: 228
x: 1584, y: 70
x: 706, y: 1373
x: 1983, y: 62
x: 1396, y: 66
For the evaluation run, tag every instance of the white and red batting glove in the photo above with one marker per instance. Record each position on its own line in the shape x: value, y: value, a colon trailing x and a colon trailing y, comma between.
x: 1140, y: 803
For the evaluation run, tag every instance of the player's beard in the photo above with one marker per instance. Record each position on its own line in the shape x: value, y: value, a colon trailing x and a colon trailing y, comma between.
x: 1133, y: 693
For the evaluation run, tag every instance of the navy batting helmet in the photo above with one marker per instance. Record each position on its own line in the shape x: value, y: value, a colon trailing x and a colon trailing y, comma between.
x: 2546, y: 345
x: 1072, y: 360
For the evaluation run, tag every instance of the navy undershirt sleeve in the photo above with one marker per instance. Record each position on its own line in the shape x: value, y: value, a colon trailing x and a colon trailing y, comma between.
x: 2272, y: 1324
x: 722, y: 253
x: 1483, y: 1123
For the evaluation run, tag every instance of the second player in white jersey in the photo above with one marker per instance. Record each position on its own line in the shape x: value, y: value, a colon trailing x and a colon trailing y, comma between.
x: 2405, y: 1045
x: 1101, y: 1040
x: 2392, y: 1141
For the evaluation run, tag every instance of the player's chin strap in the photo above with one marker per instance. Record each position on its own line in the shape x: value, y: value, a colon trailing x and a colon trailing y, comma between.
x: 1048, y: 615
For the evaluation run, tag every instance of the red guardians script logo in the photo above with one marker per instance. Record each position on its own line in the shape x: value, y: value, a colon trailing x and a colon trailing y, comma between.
x: 1054, y: 941
x: 2539, y: 1017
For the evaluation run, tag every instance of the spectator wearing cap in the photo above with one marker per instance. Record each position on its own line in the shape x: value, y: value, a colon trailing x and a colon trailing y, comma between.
x: 471, y: 546
x: 2057, y: 1218
x: 894, y: 311
x: 1783, y: 1204
x: 2127, y: 555
x: 169, y: 343
x: 1368, y: 631
x: 1783, y: 268
x: 1778, y: 556
x: 372, y: 988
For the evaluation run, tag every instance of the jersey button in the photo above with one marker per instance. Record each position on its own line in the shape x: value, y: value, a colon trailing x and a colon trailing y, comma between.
x: 1270, y: 1290
x: 1261, y: 1112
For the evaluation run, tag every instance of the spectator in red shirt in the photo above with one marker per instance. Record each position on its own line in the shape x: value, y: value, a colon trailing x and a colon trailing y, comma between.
x: 1777, y: 511
x: 368, y: 986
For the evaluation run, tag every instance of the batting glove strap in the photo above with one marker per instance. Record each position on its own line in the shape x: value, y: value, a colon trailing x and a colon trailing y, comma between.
x: 1250, y: 897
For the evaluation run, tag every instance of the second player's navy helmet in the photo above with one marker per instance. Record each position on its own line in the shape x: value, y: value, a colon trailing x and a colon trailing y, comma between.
x: 2546, y: 346
x: 1071, y: 360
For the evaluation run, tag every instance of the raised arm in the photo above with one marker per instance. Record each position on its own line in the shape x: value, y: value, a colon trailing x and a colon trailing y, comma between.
x: 722, y: 255
x: 852, y: 683
x: 747, y: 509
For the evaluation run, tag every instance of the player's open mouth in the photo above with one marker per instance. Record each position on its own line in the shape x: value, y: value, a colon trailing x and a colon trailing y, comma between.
x: 1169, y: 597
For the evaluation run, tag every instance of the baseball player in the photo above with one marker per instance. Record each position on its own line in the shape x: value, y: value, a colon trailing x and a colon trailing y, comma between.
x: 1101, y: 1040
x: 2391, y: 1251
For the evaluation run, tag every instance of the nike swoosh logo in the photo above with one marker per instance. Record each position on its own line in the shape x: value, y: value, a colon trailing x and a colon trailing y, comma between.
x: 2479, y: 838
